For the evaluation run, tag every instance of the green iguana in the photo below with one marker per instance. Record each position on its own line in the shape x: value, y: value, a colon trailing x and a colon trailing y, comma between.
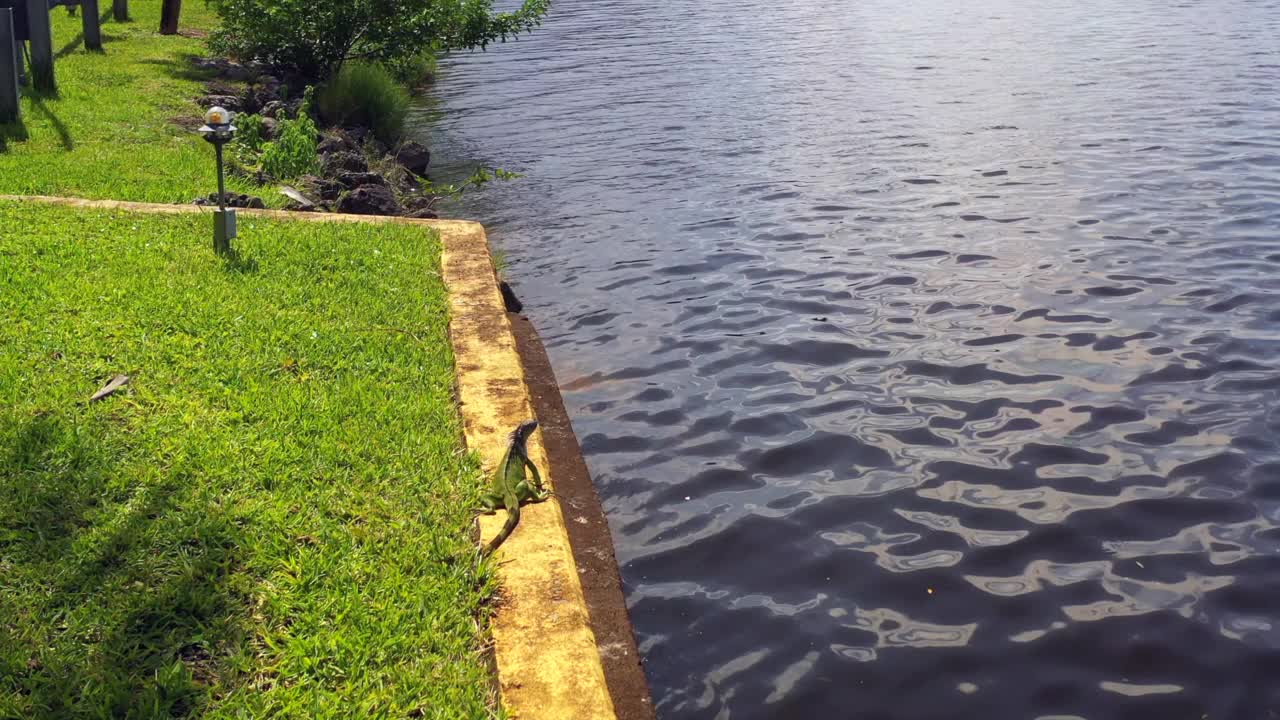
x: 510, y: 487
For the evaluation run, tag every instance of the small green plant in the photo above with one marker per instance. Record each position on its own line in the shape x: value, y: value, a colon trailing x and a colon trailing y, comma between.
x: 293, y: 152
x: 476, y: 181
x: 367, y: 94
x: 251, y: 135
x: 500, y: 261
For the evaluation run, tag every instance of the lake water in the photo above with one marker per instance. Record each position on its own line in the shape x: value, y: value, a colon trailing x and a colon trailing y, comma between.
x: 925, y: 353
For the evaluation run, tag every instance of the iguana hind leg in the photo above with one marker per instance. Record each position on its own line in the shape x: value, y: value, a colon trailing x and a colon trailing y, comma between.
x: 490, y: 503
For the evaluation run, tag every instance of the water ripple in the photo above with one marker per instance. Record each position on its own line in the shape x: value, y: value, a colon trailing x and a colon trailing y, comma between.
x: 924, y: 353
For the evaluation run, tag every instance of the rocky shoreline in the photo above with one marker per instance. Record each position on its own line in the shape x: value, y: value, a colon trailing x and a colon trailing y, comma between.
x: 358, y: 174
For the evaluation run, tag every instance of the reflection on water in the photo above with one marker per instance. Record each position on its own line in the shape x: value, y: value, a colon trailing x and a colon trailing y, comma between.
x: 924, y: 353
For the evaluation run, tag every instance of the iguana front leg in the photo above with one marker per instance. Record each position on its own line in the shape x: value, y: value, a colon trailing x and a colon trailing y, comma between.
x: 537, y: 491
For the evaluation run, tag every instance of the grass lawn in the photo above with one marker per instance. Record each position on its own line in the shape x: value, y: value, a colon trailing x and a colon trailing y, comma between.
x: 273, y: 519
x: 110, y: 132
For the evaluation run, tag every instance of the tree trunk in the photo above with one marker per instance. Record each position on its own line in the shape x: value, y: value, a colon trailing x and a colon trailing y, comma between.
x: 169, y: 12
x: 40, y: 37
x: 92, y: 24
x: 10, y: 108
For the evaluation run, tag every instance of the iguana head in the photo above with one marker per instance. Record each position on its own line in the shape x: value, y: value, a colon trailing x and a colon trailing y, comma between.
x: 523, y: 431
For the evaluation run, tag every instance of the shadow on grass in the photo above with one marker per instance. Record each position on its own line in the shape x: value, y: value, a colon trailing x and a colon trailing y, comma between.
x: 12, y: 132
x: 124, y: 592
x: 234, y: 262
x: 183, y: 67
x: 78, y: 40
x: 42, y: 506
x: 38, y: 104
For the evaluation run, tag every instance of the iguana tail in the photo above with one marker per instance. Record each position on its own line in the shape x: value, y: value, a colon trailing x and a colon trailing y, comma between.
x: 513, y: 518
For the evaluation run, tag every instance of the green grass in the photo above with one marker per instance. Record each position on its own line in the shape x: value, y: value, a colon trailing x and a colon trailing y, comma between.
x: 273, y: 519
x: 110, y: 132
x: 366, y: 93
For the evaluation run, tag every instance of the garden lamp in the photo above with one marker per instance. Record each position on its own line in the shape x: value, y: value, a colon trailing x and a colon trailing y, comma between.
x: 218, y: 131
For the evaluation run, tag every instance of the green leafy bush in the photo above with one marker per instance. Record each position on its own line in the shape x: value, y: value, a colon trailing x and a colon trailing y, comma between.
x: 365, y: 93
x: 293, y: 152
x: 414, y: 70
x: 251, y: 132
x: 318, y: 37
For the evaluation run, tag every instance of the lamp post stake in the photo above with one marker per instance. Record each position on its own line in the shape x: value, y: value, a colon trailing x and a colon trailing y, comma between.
x: 224, y: 221
x: 218, y: 131
x: 222, y: 178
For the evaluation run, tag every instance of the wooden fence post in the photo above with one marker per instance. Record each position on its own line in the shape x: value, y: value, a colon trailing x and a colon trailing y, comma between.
x: 92, y: 24
x: 10, y: 108
x: 120, y: 10
x: 41, y: 33
x: 169, y: 12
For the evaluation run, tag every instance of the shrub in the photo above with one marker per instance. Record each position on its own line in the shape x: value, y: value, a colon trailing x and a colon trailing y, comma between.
x: 318, y: 37
x: 251, y: 132
x: 366, y: 94
x: 293, y: 152
x: 415, y: 70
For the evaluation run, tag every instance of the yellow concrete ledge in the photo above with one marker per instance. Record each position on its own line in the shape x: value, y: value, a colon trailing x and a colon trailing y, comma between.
x: 548, y: 665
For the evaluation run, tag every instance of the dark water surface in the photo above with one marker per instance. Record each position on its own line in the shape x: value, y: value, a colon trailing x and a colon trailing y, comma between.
x: 924, y: 352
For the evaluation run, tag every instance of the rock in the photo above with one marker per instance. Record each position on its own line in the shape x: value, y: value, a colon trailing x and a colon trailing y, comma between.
x: 364, y: 139
x: 248, y: 103
x: 335, y: 163
x: 218, y: 87
x: 206, y: 63
x: 269, y: 128
x: 293, y: 107
x: 414, y: 157
x: 227, y: 102
x: 272, y: 109
x: 233, y: 200
x: 226, y: 69
x: 323, y: 188
x: 358, y: 134
x: 266, y: 89
x: 369, y: 200
x: 415, y: 203
x: 406, y: 181
x: 353, y: 180
x: 423, y: 214
x: 336, y: 141
x: 245, y: 201
x: 261, y: 95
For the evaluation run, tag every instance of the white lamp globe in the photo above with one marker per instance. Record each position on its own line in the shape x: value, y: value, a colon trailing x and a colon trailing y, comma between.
x: 217, y: 116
